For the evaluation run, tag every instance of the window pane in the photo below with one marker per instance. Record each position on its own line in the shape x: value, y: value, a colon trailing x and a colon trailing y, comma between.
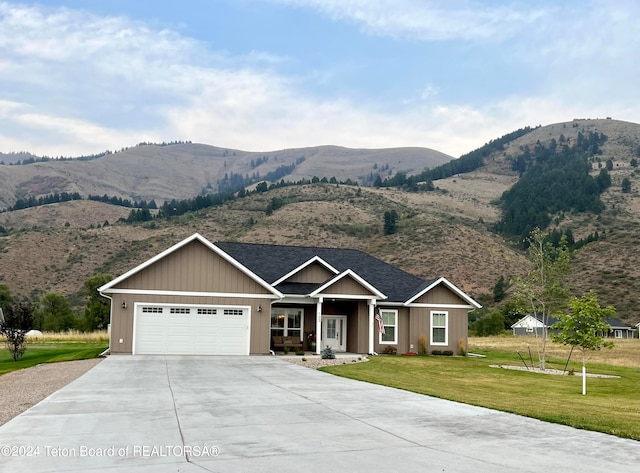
x: 295, y: 319
x: 277, y: 320
x: 389, y: 334
x: 439, y: 320
x: 438, y: 335
x: 331, y: 328
x: 389, y: 318
x: 294, y: 333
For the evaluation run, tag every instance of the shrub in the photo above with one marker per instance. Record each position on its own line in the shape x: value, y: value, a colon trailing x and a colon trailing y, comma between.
x: 327, y: 353
x: 442, y: 352
x: 462, y: 347
x: 390, y: 350
x: 423, y: 345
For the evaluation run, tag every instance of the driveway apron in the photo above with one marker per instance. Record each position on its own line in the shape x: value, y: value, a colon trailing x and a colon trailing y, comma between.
x: 262, y: 414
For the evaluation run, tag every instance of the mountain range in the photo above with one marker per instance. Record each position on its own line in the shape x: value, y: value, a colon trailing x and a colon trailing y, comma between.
x: 447, y: 231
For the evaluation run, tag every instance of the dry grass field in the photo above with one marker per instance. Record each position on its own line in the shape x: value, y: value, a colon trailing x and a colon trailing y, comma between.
x: 97, y: 336
x: 624, y: 353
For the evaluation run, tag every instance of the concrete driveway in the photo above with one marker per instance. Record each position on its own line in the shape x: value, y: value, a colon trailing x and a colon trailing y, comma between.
x: 254, y: 414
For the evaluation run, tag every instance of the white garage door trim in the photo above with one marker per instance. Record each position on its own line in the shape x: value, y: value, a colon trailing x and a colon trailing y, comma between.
x: 191, y: 329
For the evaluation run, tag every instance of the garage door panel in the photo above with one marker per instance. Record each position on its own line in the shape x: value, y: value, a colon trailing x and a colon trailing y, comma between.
x: 190, y: 330
x: 155, y: 336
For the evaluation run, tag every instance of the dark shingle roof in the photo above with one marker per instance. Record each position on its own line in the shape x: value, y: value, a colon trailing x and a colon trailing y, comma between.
x: 299, y: 288
x: 271, y: 262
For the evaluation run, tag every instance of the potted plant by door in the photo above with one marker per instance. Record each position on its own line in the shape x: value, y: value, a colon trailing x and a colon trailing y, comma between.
x: 311, y: 340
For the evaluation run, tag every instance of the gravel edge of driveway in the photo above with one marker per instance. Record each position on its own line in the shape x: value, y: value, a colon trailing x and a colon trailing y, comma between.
x: 22, y: 389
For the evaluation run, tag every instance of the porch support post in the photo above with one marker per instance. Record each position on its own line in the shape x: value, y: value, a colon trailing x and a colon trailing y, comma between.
x: 372, y: 307
x: 318, y: 324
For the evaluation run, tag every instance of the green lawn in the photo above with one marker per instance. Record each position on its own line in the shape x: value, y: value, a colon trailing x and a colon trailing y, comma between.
x: 50, y: 352
x: 612, y: 405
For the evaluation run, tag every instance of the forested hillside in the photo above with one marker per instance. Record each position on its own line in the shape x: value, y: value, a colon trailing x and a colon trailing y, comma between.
x: 553, y: 179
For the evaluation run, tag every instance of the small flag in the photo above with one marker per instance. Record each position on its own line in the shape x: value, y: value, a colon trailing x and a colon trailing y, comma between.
x: 380, y: 323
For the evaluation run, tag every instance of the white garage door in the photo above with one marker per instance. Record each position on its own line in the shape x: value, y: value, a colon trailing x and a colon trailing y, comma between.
x: 190, y: 330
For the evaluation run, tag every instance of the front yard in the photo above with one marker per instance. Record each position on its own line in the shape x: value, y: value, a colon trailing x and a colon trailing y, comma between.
x: 50, y: 352
x: 612, y: 405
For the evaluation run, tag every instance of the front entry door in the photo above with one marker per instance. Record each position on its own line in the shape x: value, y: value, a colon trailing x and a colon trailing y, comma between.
x: 334, y: 332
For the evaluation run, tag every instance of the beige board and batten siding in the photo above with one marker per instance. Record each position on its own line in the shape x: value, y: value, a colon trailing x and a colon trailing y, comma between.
x: 314, y: 273
x: 444, y: 300
x: 441, y: 295
x: 403, y: 328
x: 193, y: 268
x: 347, y: 286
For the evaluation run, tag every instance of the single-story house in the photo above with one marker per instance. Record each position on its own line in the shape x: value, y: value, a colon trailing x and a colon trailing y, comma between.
x: 531, y: 326
x: 231, y: 298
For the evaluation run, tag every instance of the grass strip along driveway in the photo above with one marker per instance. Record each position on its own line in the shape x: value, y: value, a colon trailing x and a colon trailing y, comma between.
x: 612, y: 405
x: 51, y: 352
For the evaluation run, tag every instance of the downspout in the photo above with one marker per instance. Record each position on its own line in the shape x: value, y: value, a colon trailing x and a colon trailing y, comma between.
x: 108, y: 350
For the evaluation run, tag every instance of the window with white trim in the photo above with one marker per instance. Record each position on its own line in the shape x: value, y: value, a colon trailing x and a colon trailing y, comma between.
x: 287, y: 322
x: 439, y: 328
x: 390, y: 323
x: 617, y: 333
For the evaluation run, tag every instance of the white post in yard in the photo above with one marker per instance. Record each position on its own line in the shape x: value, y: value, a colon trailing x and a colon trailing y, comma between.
x: 318, y: 325
x: 372, y: 308
x: 584, y: 380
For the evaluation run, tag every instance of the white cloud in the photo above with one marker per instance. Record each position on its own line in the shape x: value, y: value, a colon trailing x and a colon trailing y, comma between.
x: 76, y: 83
x: 429, y: 20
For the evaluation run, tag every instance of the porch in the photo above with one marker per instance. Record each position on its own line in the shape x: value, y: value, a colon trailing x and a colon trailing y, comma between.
x: 345, y: 325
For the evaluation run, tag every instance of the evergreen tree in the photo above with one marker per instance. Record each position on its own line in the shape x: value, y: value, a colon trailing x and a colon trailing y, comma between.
x: 499, y: 290
x: 626, y: 185
x: 390, y: 222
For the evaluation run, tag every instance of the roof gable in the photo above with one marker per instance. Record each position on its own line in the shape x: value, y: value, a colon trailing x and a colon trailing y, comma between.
x: 348, y: 284
x: 428, y: 286
x: 173, y: 251
x: 309, y: 271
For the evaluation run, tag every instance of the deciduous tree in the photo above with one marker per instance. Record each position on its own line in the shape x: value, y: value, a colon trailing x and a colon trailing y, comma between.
x: 97, y: 311
x: 17, y: 320
x: 56, y: 313
x: 584, y: 327
x: 542, y: 291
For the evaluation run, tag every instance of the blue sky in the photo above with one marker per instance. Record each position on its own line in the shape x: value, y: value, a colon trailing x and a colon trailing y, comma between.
x: 79, y: 77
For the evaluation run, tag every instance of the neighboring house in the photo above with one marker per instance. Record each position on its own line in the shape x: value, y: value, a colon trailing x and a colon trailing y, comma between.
x: 233, y: 298
x: 531, y: 326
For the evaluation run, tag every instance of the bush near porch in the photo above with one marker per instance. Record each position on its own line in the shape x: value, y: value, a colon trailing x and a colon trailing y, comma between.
x: 611, y: 405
